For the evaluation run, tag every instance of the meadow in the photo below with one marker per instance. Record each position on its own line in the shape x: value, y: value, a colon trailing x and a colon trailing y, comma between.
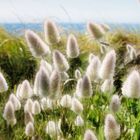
x: 73, y: 86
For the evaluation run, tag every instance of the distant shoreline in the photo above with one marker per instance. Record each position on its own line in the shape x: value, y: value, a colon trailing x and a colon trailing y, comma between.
x: 19, y: 28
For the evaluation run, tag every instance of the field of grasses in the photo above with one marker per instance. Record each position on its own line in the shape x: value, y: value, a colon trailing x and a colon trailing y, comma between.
x: 70, y: 86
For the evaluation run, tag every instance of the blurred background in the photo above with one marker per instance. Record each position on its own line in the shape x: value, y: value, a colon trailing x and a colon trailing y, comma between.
x: 18, y: 15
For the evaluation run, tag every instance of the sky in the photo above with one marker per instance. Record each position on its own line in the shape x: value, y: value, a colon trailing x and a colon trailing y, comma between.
x: 70, y: 10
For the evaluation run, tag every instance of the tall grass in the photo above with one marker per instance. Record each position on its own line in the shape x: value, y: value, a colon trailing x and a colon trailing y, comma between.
x: 92, y: 111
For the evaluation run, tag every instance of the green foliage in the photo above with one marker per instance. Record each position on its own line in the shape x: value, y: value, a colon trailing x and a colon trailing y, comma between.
x: 15, y: 59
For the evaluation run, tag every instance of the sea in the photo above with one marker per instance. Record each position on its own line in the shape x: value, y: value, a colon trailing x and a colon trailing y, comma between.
x: 19, y: 28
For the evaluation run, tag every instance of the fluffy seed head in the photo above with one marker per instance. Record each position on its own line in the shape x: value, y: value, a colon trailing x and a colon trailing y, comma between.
x: 52, y: 35
x: 43, y: 104
x: 18, y: 91
x: 36, y: 108
x: 52, y: 128
x: 103, y: 49
x: 60, y: 62
x: 76, y: 107
x: 25, y: 90
x: 29, y: 130
x: 46, y: 66
x: 79, y: 121
x: 86, y: 87
x: 55, y: 83
x: 133, y: 54
x: 3, y: 83
x: 108, y: 65
x: 131, y: 86
x: 28, y: 106
x: 42, y: 83
x: 107, y: 86
x: 46, y: 103
x: 28, y: 118
x: 91, y: 56
x: 105, y: 27
x: 15, y: 101
x: 9, y: 114
x: 115, y: 103
x: 93, y: 68
x: 78, y: 87
x: 128, y: 47
x: 36, y: 87
x: 66, y: 101
x: 89, y: 135
x: 131, y: 51
x: 111, y: 128
x: 64, y: 76
x: 72, y: 47
x: 95, y: 30
x: 37, y: 47
x: 77, y: 74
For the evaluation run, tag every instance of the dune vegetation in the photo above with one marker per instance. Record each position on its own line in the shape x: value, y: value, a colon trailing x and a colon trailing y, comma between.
x: 70, y: 87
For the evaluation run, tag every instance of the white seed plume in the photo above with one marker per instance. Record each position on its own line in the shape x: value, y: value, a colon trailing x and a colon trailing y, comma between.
x: 52, y: 128
x: 55, y: 83
x: 103, y: 49
x: 86, y: 87
x: 93, y: 69
x: 77, y: 107
x: 72, y: 47
x: 111, y: 128
x: 91, y: 56
x: 52, y: 35
x: 105, y: 27
x: 131, y: 51
x: 28, y: 106
x: 9, y: 114
x: 89, y: 135
x: 25, y: 90
x: 107, y: 86
x: 115, y: 103
x: 79, y: 121
x: 78, y: 87
x: 28, y: 118
x: 133, y: 54
x: 66, y: 101
x: 46, y: 66
x: 3, y: 83
x: 36, y: 87
x: 43, y: 104
x: 128, y: 47
x: 95, y: 30
x: 46, y: 103
x: 131, y: 86
x: 108, y: 65
x: 42, y: 83
x: 37, y: 47
x: 36, y: 108
x: 29, y: 130
x: 64, y: 76
x: 18, y: 91
x: 60, y: 62
x: 77, y: 74
x: 15, y: 101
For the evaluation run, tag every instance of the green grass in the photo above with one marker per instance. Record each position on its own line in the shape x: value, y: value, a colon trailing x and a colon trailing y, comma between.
x: 16, y: 60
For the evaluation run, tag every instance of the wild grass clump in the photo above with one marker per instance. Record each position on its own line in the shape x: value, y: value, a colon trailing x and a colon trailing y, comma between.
x: 15, y: 59
x: 79, y: 92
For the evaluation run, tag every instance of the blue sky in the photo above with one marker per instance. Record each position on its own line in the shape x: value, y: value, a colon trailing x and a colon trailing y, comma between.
x: 70, y: 10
